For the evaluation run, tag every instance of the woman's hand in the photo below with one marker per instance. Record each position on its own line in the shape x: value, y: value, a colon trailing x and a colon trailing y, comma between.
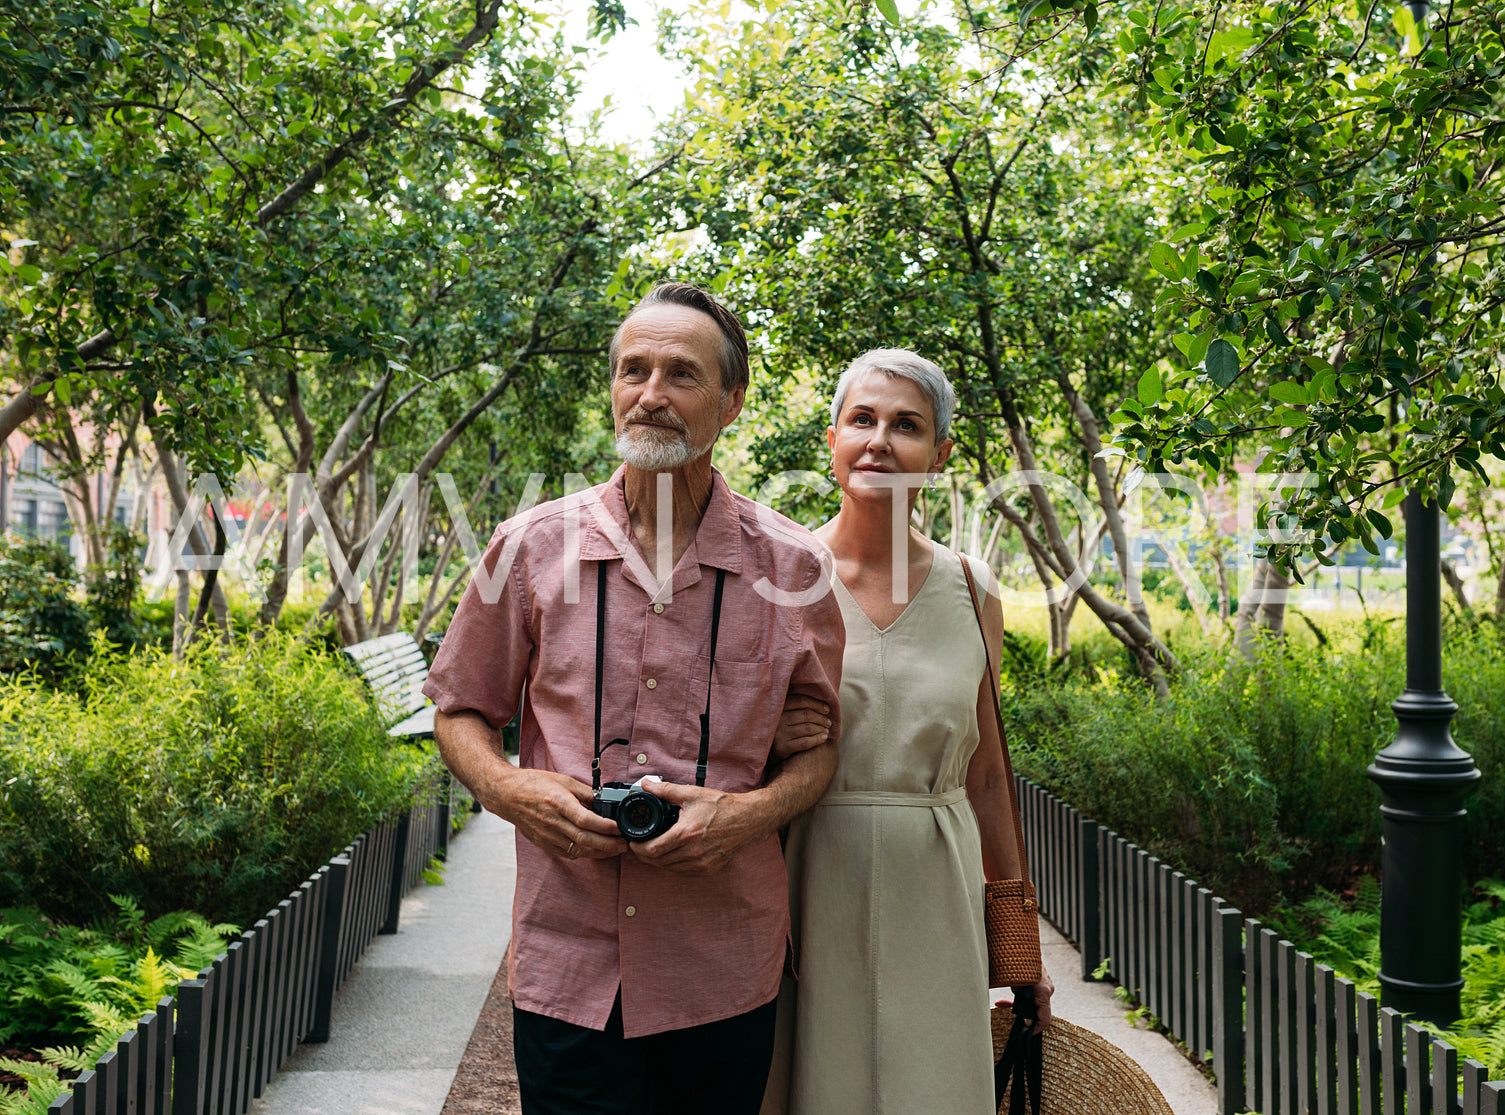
x: 1042, y: 992
x: 804, y: 723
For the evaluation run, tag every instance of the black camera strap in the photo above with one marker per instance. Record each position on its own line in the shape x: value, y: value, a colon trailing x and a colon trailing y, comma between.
x: 600, y: 657
x: 705, y: 717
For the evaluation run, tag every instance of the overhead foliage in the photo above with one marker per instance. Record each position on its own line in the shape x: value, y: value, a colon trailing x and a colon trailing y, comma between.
x: 871, y: 186
x: 1338, y: 288
x: 301, y: 232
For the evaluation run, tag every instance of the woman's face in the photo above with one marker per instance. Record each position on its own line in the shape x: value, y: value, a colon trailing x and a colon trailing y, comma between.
x: 886, y: 428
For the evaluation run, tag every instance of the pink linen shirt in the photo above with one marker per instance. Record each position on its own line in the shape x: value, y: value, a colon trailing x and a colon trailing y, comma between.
x: 685, y: 949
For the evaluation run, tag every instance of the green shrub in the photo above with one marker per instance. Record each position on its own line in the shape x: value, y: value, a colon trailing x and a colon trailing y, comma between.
x: 154, y: 619
x: 1251, y: 777
x: 41, y: 625
x: 1473, y: 671
x: 112, y: 587
x: 214, y: 783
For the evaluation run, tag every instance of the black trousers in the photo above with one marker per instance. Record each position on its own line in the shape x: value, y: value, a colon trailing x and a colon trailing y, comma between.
x: 721, y: 1067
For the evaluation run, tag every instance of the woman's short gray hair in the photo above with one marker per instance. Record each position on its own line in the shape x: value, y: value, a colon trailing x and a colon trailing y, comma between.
x: 908, y: 365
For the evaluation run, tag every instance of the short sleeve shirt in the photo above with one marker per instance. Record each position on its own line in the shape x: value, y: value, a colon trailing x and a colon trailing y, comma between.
x: 685, y: 950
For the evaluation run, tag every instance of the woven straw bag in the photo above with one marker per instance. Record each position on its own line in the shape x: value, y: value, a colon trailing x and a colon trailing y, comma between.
x: 1085, y: 1074
x: 1009, y: 909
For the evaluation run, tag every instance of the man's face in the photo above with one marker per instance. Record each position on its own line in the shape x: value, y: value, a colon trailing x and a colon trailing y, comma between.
x: 666, y: 397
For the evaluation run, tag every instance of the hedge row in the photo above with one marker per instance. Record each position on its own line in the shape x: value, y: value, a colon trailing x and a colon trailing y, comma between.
x: 1251, y: 777
x: 212, y: 783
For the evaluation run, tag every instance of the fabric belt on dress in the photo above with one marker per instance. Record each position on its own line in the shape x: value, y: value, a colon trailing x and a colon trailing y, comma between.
x: 894, y: 797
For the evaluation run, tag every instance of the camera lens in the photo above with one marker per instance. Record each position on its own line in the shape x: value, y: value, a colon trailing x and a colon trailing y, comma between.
x: 640, y: 816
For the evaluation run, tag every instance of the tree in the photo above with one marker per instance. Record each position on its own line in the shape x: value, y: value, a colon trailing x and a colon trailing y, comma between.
x: 866, y: 185
x: 326, y: 231
x: 1339, y: 292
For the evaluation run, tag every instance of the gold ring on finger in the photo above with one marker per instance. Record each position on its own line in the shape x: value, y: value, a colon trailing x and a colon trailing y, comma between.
x: 570, y: 851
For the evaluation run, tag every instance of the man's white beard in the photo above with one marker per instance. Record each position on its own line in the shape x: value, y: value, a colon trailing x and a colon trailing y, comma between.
x: 658, y: 451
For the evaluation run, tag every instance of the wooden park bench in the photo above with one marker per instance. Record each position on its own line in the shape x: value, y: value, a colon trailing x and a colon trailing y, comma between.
x: 395, y: 668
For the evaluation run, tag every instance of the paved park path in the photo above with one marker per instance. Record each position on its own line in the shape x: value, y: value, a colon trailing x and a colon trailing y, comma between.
x: 404, y: 1017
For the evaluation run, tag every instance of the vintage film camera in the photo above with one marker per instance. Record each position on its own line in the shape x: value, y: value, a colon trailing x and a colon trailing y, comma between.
x: 638, y: 814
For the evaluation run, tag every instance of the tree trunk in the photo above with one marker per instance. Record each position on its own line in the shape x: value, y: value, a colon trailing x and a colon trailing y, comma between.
x: 1455, y: 582
x: 1107, y: 497
x: 1154, y: 657
x: 180, y: 614
x: 1262, y: 610
x: 178, y: 489
x: 141, y: 503
x: 1192, y: 585
x: 1225, y: 593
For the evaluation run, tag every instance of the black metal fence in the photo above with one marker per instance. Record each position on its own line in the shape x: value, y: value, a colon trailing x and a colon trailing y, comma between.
x: 212, y: 1047
x: 1284, y: 1034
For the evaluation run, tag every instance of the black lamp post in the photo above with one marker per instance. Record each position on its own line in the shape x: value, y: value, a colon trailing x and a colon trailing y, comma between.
x: 1423, y: 777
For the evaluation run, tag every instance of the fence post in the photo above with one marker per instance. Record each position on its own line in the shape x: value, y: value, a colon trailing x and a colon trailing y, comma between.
x: 446, y: 797
x: 1089, y: 900
x: 399, y: 873
x: 128, y: 1056
x: 190, y: 1036
x: 329, y: 949
x: 1228, y: 1009
x: 1492, y: 1099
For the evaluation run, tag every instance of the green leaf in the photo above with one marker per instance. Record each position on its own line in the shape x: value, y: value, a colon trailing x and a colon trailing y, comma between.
x: 1445, y: 489
x: 1195, y: 228
x: 890, y: 10
x: 1151, y: 390
x: 1288, y: 391
x: 1163, y: 258
x: 1381, y: 523
x: 1289, y: 416
x: 1222, y: 362
x: 1089, y: 17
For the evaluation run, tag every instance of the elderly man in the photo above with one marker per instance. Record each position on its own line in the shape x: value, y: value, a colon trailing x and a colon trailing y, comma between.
x: 643, y: 616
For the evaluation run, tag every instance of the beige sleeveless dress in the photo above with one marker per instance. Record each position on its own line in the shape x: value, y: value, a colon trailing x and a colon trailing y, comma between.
x: 890, y: 1010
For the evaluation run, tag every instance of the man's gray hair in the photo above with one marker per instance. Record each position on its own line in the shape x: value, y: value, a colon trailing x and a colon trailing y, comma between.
x: 908, y: 365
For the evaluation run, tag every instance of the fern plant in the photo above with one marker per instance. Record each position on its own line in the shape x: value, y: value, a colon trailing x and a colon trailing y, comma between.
x: 42, y: 1086
x: 84, y: 987
x: 1345, y: 935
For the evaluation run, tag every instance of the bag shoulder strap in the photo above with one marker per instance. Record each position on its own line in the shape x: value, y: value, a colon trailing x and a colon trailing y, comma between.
x: 1003, y: 737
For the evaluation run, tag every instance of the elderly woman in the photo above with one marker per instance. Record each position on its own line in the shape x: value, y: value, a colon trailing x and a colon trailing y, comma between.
x: 890, y: 1009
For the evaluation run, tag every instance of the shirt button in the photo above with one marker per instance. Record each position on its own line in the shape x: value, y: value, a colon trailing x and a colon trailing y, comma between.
x: 657, y: 608
x: 631, y: 910
x: 642, y: 758
x: 652, y: 684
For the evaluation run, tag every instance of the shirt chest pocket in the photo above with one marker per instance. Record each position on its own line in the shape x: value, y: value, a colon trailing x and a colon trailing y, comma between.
x: 746, y: 699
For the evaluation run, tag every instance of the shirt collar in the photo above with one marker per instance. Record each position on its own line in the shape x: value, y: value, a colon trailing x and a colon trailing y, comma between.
x: 717, y: 541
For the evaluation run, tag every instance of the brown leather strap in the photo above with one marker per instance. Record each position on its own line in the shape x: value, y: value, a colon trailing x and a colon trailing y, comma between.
x: 1003, y: 737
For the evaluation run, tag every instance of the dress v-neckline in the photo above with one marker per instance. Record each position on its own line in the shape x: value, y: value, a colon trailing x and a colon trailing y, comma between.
x: 919, y: 592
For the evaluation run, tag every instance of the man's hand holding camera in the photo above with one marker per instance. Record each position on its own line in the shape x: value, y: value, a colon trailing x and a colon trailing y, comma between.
x: 554, y: 811
x: 713, y: 826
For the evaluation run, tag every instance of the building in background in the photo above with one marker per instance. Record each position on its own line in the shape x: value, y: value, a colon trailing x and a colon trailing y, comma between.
x: 33, y: 503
